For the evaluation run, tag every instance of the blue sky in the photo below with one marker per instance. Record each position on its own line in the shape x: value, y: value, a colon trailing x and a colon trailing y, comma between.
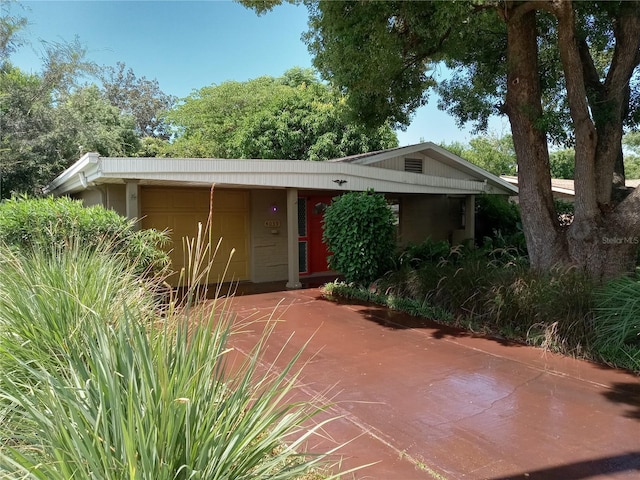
x: 187, y: 45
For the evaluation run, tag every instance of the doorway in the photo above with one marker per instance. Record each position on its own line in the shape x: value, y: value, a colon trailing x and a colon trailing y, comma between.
x: 312, y: 250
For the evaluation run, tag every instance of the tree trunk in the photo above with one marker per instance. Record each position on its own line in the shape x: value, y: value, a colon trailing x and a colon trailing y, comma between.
x: 545, y: 240
x: 604, y: 236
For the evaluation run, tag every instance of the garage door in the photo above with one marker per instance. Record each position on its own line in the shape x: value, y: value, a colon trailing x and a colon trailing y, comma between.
x: 180, y: 210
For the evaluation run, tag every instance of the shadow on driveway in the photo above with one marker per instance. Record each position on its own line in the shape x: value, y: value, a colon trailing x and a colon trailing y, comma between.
x: 626, y: 394
x: 627, y: 462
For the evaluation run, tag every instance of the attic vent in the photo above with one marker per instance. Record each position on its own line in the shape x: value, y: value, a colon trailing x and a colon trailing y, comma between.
x: 413, y: 165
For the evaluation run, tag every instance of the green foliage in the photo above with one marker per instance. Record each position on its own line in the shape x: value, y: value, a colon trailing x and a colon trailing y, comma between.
x: 360, y: 234
x: 617, y: 322
x: 10, y: 26
x: 96, y: 385
x: 497, y: 216
x: 384, y: 55
x: 86, y: 122
x: 428, y: 251
x: 494, y: 154
x: 50, y: 297
x: 362, y: 48
x: 50, y: 118
x: 52, y: 223
x: 632, y: 166
x: 41, y: 114
x: 562, y: 163
x: 140, y: 98
x: 45, y: 128
x: 26, y: 117
x: 294, y: 117
x: 564, y: 207
x: 631, y: 143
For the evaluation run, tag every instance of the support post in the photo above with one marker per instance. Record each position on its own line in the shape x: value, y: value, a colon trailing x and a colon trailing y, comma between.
x: 293, y: 260
x: 132, y: 192
x: 470, y: 217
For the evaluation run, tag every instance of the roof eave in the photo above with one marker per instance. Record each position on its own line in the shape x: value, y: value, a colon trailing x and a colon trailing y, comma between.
x: 77, y: 177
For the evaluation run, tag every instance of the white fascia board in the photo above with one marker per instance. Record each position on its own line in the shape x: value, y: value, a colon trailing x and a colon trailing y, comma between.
x: 283, y: 174
x: 76, y: 177
x: 92, y: 169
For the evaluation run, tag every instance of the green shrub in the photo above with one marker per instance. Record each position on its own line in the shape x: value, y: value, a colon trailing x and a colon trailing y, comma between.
x: 46, y: 223
x: 496, y: 214
x: 617, y: 322
x: 97, y: 385
x: 360, y: 234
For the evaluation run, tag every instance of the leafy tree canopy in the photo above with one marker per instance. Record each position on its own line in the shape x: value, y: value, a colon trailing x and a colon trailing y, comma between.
x: 632, y: 142
x: 44, y: 131
x: 49, y: 119
x: 562, y: 163
x: 10, y: 25
x: 493, y: 153
x: 295, y: 116
x: 139, y: 97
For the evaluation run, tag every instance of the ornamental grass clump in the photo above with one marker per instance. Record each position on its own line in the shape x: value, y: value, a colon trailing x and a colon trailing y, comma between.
x: 617, y: 322
x: 97, y: 384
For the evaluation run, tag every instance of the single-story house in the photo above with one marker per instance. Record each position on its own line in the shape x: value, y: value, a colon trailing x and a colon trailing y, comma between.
x: 270, y: 211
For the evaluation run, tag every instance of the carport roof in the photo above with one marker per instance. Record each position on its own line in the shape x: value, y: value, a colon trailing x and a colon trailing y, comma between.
x: 357, y: 173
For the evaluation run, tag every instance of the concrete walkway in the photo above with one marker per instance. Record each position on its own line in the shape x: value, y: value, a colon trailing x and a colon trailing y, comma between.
x: 431, y: 402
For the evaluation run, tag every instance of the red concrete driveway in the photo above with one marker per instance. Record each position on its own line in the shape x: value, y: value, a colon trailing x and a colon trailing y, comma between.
x: 430, y: 402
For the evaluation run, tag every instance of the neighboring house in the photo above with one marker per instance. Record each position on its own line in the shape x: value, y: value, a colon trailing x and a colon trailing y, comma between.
x: 563, y: 189
x: 270, y: 211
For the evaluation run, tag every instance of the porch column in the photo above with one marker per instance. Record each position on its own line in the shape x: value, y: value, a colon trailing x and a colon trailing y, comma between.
x: 292, y: 239
x: 470, y: 217
x: 131, y: 200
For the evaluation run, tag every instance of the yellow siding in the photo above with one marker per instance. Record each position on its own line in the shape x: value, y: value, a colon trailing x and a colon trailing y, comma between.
x: 181, y: 209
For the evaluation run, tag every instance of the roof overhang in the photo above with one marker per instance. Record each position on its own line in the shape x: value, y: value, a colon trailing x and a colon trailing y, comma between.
x: 93, y: 170
x: 438, y: 153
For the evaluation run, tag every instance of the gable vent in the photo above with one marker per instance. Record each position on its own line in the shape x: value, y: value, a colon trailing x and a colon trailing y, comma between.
x: 413, y: 165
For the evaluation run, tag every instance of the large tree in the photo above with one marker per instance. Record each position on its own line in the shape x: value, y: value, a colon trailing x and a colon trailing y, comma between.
x: 562, y: 71
x: 138, y: 97
x: 291, y: 117
x: 41, y: 133
x: 49, y: 119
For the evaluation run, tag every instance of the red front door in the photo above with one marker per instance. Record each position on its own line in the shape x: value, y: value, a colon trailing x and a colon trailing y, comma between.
x: 313, y: 251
